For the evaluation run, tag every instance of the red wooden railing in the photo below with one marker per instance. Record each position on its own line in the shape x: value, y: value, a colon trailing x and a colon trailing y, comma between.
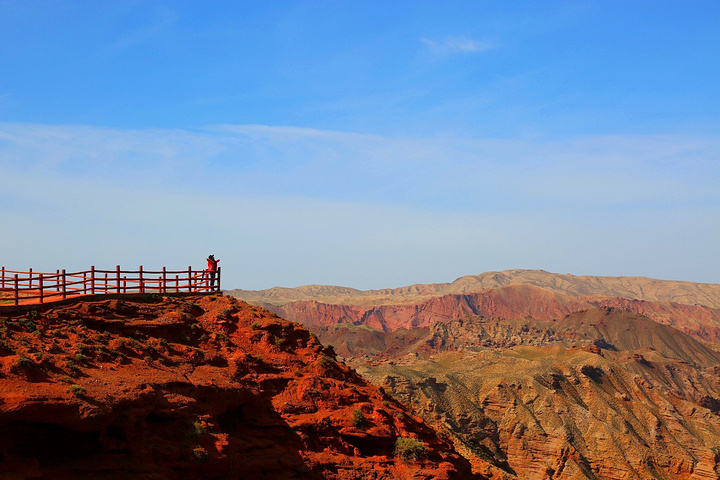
x: 37, y: 287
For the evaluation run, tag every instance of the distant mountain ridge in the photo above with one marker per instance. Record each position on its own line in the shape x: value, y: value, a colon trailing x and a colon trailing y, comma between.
x: 511, y: 301
x: 639, y: 288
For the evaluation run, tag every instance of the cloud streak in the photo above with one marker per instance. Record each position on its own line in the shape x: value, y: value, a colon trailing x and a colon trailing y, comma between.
x: 295, y: 205
x: 452, y: 45
x: 442, y: 172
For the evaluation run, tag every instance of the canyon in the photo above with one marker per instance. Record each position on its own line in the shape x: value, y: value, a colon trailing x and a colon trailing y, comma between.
x: 535, y: 375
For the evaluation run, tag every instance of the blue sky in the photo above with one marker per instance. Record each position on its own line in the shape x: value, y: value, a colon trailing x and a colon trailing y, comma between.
x: 368, y: 144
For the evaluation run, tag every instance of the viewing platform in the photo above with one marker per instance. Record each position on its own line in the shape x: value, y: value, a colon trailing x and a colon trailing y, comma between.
x: 28, y: 288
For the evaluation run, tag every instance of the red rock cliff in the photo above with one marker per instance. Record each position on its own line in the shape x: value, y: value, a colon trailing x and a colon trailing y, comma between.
x: 193, y: 387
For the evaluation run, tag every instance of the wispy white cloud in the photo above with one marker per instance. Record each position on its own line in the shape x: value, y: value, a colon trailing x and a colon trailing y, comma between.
x: 442, y: 172
x: 297, y: 205
x: 451, y: 45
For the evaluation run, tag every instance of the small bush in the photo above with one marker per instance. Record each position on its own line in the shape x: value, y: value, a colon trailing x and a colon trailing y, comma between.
x: 324, y: 361
x: 358, y: 419
x: 80, y: 358
x: 409, y: 449
x: 256, y: 325
x: 29, y: 325
x: 201, y: 455
x: 70, y: 365
x: 196, y: 430
x: 77, y: 390
x: 23, y: 362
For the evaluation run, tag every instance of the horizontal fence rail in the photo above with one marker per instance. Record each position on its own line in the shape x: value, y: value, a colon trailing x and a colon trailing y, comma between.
x: 39, y: 287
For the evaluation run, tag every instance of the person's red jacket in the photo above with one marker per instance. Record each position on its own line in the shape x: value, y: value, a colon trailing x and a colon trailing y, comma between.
x: 212, y: 265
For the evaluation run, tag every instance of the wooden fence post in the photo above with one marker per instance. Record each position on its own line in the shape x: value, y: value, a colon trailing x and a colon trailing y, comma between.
x: 92, y: 279
x: 190, y: 279
x: 3, y: 278
x: 177, y: 283
x: 117, y: 276
x: 84, y: 283
x: 163, y: 289
x: 30, y: 279
x: 64, y: 285
x: 142, y: 286
x: 105, y: 285
x: 17, y: 293
x: 40, y: 284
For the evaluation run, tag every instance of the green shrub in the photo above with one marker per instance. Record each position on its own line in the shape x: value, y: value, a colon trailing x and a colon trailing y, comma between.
x: 196, y: 430
x: 201, y: 455
x: 23, y: 362
x: 80, y: 358
x: 256, y: 325
x: 409, y: 449
x: 70, y: 365
x: 358, y: 419
x: 77, y: 390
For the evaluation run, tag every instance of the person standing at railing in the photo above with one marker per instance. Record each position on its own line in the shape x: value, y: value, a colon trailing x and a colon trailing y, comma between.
x: 212, y: 268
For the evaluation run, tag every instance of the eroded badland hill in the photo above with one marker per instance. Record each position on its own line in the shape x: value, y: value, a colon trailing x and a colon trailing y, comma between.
x: 600, y: 394
x: 537, y: 375
x: 194, y: 387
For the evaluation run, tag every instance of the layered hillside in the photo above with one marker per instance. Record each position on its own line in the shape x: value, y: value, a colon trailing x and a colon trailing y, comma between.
x: 640, y: 288
x: 195, y: 387
x: 515, y: 301
x: 693, y: 308
x: 600, y: 394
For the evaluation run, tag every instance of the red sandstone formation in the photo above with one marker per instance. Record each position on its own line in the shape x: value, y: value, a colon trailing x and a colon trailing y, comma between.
x: 193, y: 387
x: 515, y: 301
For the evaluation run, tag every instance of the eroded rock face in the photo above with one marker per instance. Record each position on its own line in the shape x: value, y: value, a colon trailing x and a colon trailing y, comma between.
x: 603, y: 394
x: 193, y: 387
x: 511, y: 302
